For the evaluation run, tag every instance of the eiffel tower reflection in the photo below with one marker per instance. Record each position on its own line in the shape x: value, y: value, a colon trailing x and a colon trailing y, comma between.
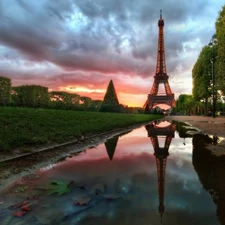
x: 159, y: 129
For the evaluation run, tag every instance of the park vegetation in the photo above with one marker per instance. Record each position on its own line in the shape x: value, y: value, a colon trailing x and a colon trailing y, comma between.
x: 5, y: 90
x: 110, y: 102
x: 31, y: 116
x: 36, y: 96
x: 220, y: 35
x: 185, y: 105
x: 25, y: 128
x: 211, y: 63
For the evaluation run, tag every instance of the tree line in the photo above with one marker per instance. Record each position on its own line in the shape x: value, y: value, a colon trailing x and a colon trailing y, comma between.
x: 36, y: 96
x: 209, y: 70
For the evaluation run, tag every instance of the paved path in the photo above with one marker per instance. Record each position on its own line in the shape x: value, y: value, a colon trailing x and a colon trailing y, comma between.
x: 209, y: 125
x: 197, y: 118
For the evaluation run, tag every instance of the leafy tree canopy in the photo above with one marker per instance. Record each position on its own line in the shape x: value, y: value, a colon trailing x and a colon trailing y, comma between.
x: 202, y: 73
x: 220, y: 34
x: 5, y: 90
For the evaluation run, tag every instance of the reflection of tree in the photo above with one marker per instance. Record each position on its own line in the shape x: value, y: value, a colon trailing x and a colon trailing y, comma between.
x: 210, y: 170
x: 110, y: 145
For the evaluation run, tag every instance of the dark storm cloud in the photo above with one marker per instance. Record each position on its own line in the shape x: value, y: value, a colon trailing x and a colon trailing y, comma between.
x: 41, y: 31
x: 104, y: 36
x: 29, y: 30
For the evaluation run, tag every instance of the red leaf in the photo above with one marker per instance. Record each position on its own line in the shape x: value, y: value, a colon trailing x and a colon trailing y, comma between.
x: 19, y: 213
x: 25, y: 208
x: 18, y: 205
x: 82, y: 200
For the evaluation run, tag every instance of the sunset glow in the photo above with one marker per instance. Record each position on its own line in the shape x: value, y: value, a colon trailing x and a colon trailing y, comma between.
x: 79, y: 46
x: 82, y: 90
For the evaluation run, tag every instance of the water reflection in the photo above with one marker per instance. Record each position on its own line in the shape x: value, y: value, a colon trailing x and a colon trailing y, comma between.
x: 155, y: 131
x: 128, y: 180
x: 110, y: 146
x: 210, y: 170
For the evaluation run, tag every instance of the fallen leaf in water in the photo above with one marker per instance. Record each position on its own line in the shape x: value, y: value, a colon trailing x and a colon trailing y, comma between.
x: 19, y: 213
x: 25, y: 208
x: 82, y: 200
x: 15, y: 206
x: 59, y: 187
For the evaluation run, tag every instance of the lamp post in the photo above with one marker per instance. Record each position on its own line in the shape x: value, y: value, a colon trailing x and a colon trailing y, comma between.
x: 212, y: 43
x: 213, y: 88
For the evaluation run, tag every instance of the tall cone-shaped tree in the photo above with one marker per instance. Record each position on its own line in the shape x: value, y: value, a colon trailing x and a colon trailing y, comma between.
x: 110, y: 102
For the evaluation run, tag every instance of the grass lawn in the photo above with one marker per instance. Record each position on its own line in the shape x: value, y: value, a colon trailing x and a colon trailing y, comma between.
x: 26, y: 127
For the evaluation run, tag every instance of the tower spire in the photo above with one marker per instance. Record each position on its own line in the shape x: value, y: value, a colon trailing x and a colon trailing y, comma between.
x: 155, y: 98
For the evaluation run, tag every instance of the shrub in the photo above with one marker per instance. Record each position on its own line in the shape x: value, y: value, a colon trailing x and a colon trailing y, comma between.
x: 5, y: 90
x: 34, y: 96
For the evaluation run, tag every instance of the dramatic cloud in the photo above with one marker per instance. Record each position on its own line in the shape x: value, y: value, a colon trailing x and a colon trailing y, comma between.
x: 84, y: 44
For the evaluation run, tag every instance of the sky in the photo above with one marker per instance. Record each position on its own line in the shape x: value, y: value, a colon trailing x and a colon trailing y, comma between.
x: 78, y: 46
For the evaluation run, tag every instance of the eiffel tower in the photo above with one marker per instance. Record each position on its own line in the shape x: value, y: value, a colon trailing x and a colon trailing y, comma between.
x: 161, y: 154
x: 160, y: 76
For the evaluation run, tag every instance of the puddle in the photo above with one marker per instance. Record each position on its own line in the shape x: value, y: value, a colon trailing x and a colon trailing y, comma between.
x: 151, y: 175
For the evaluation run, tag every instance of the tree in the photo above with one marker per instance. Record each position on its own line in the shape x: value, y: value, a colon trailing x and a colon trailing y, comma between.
x: 86, y: 103
x: 5, y: 90
x: 64, y: 100
x: 110, y: 102
x: 202, y: 75
x: 30, y: 96
x: 185, y: 104
x: 220, y: 34
x: 96, y: 104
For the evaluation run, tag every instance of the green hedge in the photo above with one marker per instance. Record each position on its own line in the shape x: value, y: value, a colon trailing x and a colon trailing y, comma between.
x: 5, y: 91
x: 34, y: 96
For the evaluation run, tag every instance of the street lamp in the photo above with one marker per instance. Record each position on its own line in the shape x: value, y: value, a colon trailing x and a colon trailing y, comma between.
x: 212, y: 43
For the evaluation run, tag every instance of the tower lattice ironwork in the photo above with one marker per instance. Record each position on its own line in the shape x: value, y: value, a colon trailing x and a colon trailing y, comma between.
x: 161, y: 154
x: 161, y: 77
